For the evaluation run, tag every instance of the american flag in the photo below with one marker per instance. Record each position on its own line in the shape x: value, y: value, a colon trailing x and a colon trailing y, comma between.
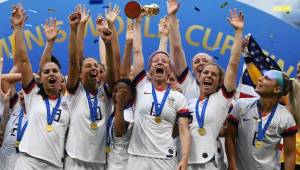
x: 261, y: 62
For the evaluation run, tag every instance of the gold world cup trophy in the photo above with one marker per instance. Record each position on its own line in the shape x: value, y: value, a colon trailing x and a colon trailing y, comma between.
x: 133, y: 9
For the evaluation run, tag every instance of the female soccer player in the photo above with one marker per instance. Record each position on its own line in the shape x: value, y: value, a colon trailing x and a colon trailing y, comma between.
x: 90, y: 105
x: 257, y: 125
x: 42, y: 145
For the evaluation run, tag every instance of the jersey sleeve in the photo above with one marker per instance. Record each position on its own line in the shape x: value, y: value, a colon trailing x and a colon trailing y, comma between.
x: 234, y: 116
x: 29, y: 91
x: 188, y: 84
x: 182, y: 106
x: 289, y: 128
x: 140, y: 80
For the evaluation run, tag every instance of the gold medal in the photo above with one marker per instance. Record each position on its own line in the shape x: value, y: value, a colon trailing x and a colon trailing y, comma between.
x: 17, y: 144
x: 201, y: 131
x: 107, y: 149
x: 259, y: 144
x: 50, y: 128
x: 93, y: 125
x: 157, y: 119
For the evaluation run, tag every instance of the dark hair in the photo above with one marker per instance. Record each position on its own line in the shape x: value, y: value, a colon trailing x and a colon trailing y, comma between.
x: 53, y: 60
x: 83, y: 59
x: 129, y: 83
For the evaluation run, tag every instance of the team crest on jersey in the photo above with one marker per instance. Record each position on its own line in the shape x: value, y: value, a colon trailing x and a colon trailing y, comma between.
x: 272, y: 129
x: 171, y: 101
x: 64, y: 105
x: 101, y: 95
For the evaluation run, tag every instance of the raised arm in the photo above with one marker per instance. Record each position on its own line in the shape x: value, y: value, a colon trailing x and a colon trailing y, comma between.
x: 111, y: 16
x: 138, y: 57
x: 106, y: 35
x: 74, y: 63
x: 51, y: 31
x: 127, y: 56
x: 85, y: 16
x: 18, y: 19
x: 164, y: 33
x: 102, y: 52
x: 236, y: 20
x: 176, y: 49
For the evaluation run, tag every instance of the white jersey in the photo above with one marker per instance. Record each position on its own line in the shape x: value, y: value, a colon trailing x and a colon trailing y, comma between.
x: 8, y: 154
x: 204, y: 148
x: 188, y: 84
x: 84, y: 143
x: 245, y: 117
x: 151, y: 139
x: 118, y: 157
x: 37, y: 141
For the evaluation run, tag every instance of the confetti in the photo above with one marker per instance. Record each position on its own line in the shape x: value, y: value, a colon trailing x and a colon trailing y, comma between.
x: 282, y: 8
x: 224, y: 5
x: 96, y: 41
x: 96, y: 1
x: 215, y: 57
x: 106, y: 7
x: 197, y: 9
x: 28, y: 25
x: 51, y: 10
x: 31, y: 10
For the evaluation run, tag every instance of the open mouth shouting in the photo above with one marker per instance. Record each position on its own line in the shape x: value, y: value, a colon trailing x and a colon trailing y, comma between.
x: 52, y: 80
x: 207, y: 84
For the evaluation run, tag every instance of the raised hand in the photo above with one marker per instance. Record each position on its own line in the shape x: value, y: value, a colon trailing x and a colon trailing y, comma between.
x: 236, y: 19
x: 75, y: 18
x: 172, y: 6
x: 51, y: 30
x: 112, y: 14
x: 18, y: 16
x: 129, y: 32
x: 103, y: 29
x: 163, y: 26
x: 85, y: 13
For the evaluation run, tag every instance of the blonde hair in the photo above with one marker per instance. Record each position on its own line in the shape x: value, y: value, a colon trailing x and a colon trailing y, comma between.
x: 294, y: 100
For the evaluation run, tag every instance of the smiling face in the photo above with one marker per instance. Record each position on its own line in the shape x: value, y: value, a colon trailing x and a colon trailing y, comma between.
x: 199, y: 61
x: 51, y: 77
x: 209, y: 80
x: 89, y: 71
x: 160, y: 67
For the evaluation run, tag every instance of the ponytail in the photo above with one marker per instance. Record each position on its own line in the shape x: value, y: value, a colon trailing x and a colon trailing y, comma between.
x: 294, y: 100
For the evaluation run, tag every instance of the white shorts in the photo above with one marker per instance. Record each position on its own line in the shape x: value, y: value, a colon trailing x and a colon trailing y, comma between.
x: 146, y: 163
x: 75, y: 164
x: 8, y: 161
x: 26, y: 162
x: 211, y: 165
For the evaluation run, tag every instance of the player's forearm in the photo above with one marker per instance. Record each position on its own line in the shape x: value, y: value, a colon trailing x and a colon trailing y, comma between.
x: 119, y: 127
x: 185, y: 138
x: 80, y: 40
x: 163, y: 43
x: 127, y: 59
x: 46, y: 56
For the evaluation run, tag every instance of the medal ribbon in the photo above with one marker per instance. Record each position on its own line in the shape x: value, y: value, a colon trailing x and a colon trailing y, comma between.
x: 262, y: 130
x: 159, y: 108
x: 200, y: 120
x: 109, y: 130
x: 51, y: 115
x: 93, y: 107
x: 21, y: 130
